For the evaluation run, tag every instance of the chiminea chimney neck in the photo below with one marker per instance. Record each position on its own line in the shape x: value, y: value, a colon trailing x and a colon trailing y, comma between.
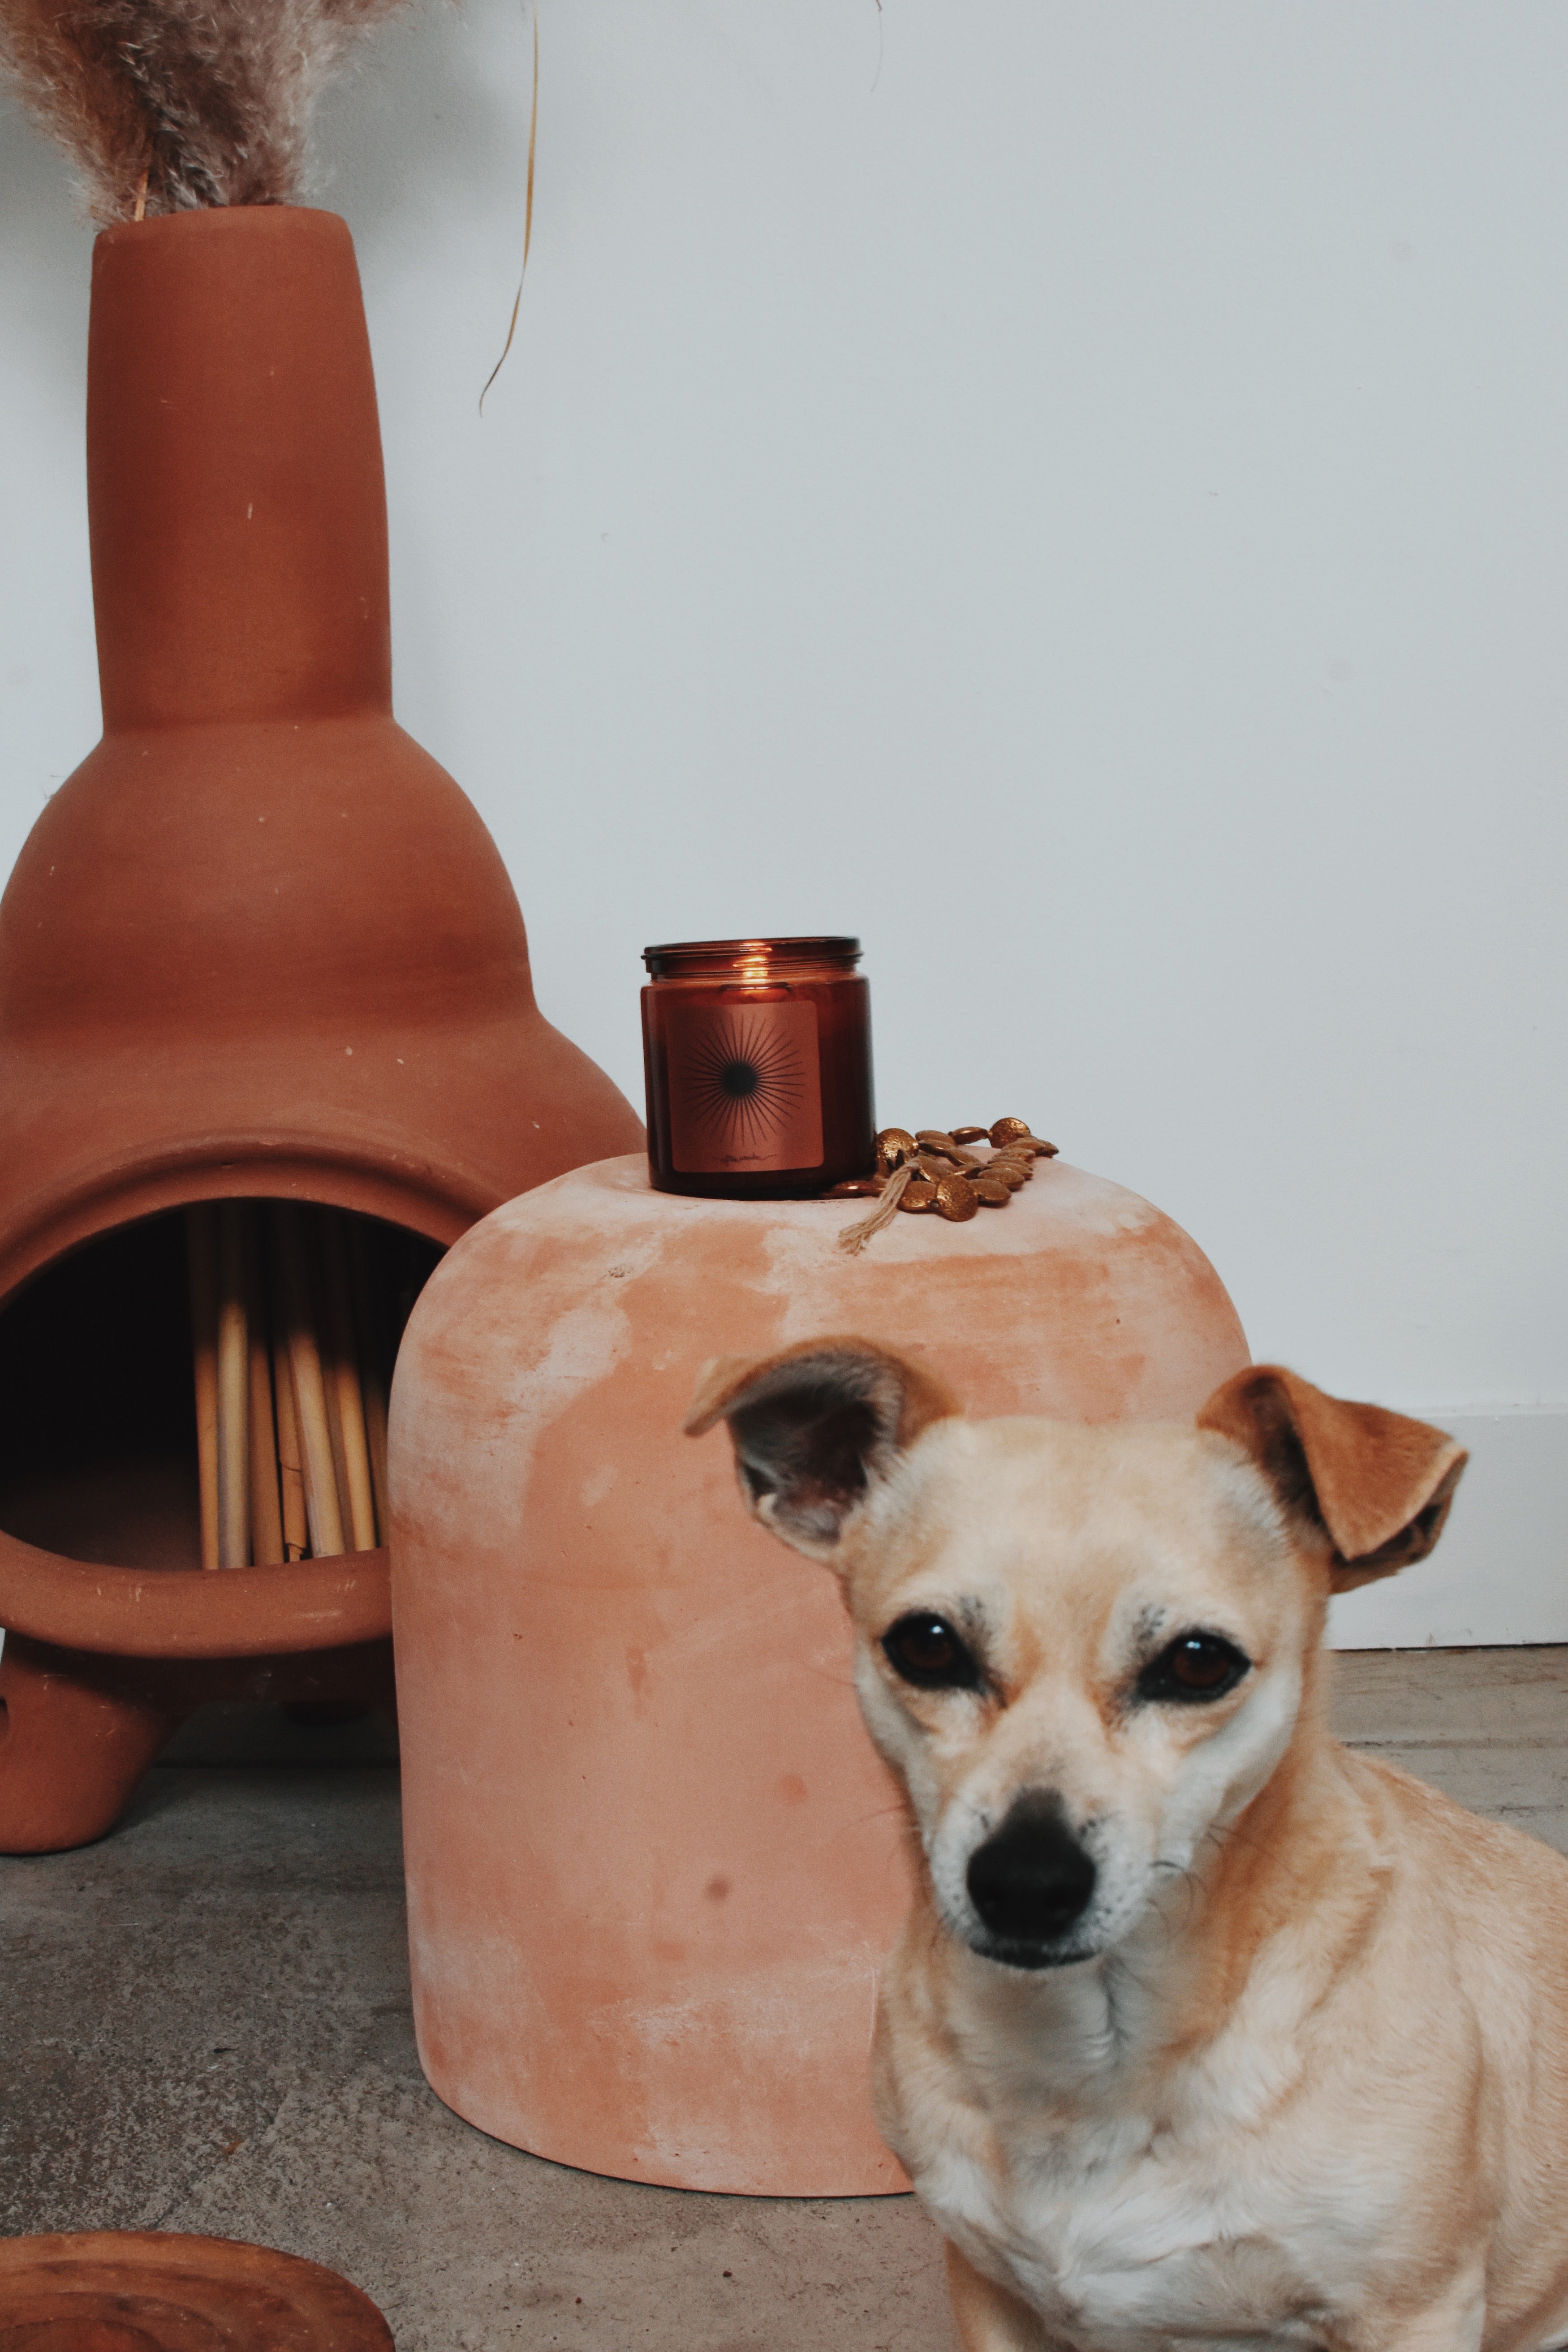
x: 235, y: 491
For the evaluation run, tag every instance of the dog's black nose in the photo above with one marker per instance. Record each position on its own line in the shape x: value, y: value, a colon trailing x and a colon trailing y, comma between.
x: 1032, y: 1879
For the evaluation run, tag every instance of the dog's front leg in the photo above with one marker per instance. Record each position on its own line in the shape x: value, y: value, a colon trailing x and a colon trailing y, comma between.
x: 1455, y: 2323
x: 988, y: 2318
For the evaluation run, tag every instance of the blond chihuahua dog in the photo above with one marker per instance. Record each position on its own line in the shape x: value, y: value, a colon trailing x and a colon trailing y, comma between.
x: 1203, y: 2032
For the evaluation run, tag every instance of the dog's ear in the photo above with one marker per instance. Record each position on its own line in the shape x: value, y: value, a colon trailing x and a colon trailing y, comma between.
x: 815, y: 1428
x: 1377, y: 1485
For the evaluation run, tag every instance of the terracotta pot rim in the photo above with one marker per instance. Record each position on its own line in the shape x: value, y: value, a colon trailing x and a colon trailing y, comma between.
x: 218, y: 220
x: 179, y: 1613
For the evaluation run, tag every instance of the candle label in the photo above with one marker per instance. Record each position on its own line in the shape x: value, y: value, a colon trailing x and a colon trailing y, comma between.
x: 745, y: 1087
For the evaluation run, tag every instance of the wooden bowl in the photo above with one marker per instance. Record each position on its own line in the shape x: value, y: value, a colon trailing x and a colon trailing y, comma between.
x: 156, y: 2291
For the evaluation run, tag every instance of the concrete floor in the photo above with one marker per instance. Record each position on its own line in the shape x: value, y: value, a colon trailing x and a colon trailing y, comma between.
x: 206, y: 2027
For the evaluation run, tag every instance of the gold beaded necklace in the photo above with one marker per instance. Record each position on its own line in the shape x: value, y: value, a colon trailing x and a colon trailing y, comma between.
x: 934, y: 1169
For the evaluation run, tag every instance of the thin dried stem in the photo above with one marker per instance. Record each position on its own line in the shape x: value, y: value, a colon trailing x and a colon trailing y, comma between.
x: 527, y: 221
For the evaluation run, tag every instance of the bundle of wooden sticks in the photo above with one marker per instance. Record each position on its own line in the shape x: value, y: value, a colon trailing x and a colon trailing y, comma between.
x: 292, y: 1367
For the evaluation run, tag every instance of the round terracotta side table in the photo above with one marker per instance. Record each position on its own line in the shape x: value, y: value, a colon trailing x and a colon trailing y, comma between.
x: 653, y: 1860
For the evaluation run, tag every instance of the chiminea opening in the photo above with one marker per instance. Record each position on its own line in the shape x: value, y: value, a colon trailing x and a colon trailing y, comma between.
x: 101, y: 1450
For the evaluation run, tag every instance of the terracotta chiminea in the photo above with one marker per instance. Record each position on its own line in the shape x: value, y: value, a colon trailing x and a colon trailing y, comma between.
x: 259, y: 945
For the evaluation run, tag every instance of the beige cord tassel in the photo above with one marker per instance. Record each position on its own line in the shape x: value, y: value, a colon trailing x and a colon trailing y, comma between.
x: 854, y: 1238
x: 201, y: 1258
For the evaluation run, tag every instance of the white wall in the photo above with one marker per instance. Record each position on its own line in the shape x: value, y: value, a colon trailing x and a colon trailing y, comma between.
x: 1074, y: 493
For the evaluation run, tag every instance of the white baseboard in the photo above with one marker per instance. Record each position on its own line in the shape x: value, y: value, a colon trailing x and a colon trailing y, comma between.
x: 1500, y: 1572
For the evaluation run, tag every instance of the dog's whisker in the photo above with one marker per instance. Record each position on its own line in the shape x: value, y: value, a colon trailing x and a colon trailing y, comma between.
x: 878, y: 1813
x: 831, y: 1677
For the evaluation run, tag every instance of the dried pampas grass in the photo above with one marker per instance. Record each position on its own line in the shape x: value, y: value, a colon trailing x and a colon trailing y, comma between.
x: 168, y: 105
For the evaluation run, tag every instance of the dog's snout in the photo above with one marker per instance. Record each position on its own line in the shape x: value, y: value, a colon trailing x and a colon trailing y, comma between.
x: 1032, y: 1879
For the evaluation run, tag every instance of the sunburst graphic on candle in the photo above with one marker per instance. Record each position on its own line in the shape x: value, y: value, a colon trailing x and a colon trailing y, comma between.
x: 745, y: 1087
x: 744, y: 1083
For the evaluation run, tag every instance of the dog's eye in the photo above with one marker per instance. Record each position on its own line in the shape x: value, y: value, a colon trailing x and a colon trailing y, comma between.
x: 1194, y: 1666
x: 926, y: 1651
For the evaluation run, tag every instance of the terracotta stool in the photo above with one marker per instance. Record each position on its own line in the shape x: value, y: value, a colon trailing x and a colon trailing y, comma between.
x: 653, y: 1860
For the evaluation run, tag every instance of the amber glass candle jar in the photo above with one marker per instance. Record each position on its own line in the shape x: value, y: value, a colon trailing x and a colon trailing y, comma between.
x: 758, y: 1056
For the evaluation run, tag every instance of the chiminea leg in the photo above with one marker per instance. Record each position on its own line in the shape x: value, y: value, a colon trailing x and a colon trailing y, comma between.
x: 77, y: 1733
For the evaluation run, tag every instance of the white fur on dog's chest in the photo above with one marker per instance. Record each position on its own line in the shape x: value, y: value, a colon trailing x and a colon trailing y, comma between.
x: 1113, y: 2251
x: 1120, y: 2231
